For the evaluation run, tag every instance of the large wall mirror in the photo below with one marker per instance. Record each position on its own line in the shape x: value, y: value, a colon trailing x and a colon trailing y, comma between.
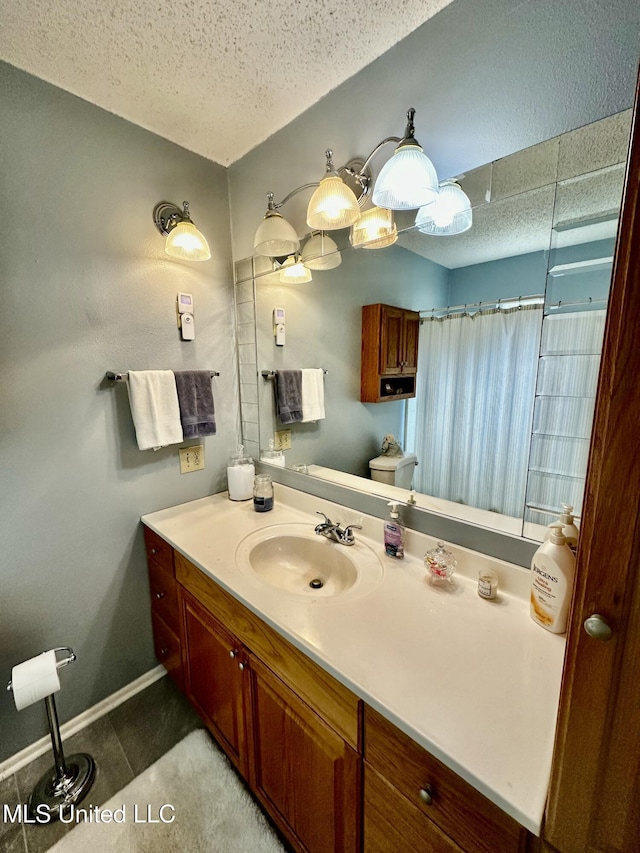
x: 512, y: 317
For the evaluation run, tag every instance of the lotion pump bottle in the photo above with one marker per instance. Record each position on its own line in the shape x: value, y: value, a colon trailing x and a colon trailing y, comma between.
x: 552, y: 572
x: 394, y: 534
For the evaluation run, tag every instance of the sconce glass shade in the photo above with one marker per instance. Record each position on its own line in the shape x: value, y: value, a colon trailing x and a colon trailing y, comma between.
x: 374, y: 230
x: 183, y: 240
x: 320, y: 253
x: 449, y: 214
x: 275, y: 237
x: 333, y: 205
x: 294, y: 271
x: 187, y: 243
x: 407, y: 180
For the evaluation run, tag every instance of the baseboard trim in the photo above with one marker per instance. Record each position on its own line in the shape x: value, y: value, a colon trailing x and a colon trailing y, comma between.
x: 34, y: 750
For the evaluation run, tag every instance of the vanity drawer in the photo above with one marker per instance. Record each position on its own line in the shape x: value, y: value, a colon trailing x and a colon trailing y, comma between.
x: 392, y: 823
x: 158, y: 551
x: 164, y: 596
x: 462, y: 812
x: 167, y: 648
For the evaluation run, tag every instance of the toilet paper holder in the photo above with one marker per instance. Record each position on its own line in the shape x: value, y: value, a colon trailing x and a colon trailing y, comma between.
x: 69, y: 780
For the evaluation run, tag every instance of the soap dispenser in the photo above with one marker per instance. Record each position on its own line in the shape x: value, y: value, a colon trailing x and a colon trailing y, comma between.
x: 394, y: 533
x: 552, y: 572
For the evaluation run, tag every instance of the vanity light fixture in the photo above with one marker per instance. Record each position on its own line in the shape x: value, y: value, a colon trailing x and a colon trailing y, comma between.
x: 293, y: 271
x: 320, y: 252
x: 184, y: 241
x: 407, y: 180
x: 333, y: 205
x: 449, y: 214
x: 277, y: 238
x: 374, y: 230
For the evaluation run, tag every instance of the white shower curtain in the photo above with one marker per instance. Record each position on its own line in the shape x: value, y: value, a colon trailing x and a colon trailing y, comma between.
x: 474, y: 407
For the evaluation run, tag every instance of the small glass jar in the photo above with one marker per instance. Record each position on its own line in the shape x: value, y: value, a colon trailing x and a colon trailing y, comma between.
x: 487, y: 584
x: 262, y: 493
x: 441, y: 564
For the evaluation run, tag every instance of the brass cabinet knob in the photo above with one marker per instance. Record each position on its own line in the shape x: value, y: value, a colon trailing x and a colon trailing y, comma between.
x: 153, y: 551
x: 160, y: 595
x: 426, y: 795
x: 241, y: 666
x: 598, y: 628
x: 164, y: 652
x: 232, y: 653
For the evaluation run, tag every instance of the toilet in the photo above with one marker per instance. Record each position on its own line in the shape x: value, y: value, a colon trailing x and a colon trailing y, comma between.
x: 394, y: 470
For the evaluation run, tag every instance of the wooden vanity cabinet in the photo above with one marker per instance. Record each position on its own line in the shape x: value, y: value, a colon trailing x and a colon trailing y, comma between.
x: 215, y: 672
x: 413, y: 803
x: 165, y: 611
x: 290, y: 728
x: 298, y: 736
x: 389, y: 360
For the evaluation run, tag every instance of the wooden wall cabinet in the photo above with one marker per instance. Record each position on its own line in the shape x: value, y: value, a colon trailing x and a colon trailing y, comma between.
x: 389, y: 360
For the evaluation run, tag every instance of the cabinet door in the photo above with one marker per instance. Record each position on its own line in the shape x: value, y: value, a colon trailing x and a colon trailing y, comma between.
x: 411, y: 330
x: 391, y: 340
x: 215, y: 675
x: 302, y: 769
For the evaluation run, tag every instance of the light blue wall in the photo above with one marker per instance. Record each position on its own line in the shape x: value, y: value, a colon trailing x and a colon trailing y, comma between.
x: 86, y: 288
x: 522, y: 275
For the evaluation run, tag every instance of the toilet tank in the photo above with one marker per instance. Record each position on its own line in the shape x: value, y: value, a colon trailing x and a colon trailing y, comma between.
x: 394, y: 470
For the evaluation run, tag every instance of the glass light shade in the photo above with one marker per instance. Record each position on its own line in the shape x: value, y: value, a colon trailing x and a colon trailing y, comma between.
x: 449, y: 214
x: 320, y: 253
x: 187, y: 243
x: 333, y: 205
x: 294, y: 272
x: 374, y: 230
x: 275, y: 237
x: 407, y: 180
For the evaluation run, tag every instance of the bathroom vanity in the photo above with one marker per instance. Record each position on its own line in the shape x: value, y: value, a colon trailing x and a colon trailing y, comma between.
x: 374, y: 713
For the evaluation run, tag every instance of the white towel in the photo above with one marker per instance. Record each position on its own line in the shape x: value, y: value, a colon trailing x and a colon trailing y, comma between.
x: 312, y: 394
x: 154, y: 408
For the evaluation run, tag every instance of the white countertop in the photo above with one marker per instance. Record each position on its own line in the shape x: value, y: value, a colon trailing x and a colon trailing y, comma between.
x: 473, y: 681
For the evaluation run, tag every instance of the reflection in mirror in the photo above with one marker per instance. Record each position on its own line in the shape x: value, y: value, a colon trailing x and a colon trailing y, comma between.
x: 512, y: 314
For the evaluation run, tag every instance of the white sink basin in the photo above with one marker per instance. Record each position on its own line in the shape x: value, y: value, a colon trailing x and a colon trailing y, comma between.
x: 296, y: 561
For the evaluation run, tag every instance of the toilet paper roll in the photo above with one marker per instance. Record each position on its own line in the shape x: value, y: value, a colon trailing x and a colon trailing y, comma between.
x: 34, y: 679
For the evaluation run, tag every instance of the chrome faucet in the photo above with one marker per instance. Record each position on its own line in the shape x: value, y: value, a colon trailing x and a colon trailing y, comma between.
x: 336, y: 533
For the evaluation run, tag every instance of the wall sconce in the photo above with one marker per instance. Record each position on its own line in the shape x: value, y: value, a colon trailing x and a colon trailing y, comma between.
x: 184, y: 241
x: 320, y: 252
x: 374, y: 230
x: 449, y: 214
x: 293, y: 271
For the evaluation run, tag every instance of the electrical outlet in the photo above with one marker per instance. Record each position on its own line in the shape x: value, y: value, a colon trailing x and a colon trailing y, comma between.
x: 282, y: 439
x: 191, y: 458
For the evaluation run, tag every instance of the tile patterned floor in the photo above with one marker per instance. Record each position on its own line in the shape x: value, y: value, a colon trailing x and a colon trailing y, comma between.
x: 123, y: 743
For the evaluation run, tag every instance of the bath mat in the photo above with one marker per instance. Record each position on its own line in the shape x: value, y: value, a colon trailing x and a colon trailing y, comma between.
x: 190, y: 801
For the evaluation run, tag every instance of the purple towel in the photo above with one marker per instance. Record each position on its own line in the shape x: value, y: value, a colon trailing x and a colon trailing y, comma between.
x: 195, y: 399
x: 288, y: 390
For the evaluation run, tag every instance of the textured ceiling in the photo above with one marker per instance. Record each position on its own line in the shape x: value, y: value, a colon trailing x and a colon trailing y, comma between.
x: 215, y: 76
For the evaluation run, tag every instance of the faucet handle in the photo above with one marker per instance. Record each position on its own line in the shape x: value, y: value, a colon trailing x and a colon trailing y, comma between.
x: 327, y: 520
x: 347, y: 533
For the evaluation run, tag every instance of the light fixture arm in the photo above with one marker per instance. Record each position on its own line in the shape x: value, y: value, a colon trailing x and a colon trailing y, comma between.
x: 167, y: 215
x: 408, y: 137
